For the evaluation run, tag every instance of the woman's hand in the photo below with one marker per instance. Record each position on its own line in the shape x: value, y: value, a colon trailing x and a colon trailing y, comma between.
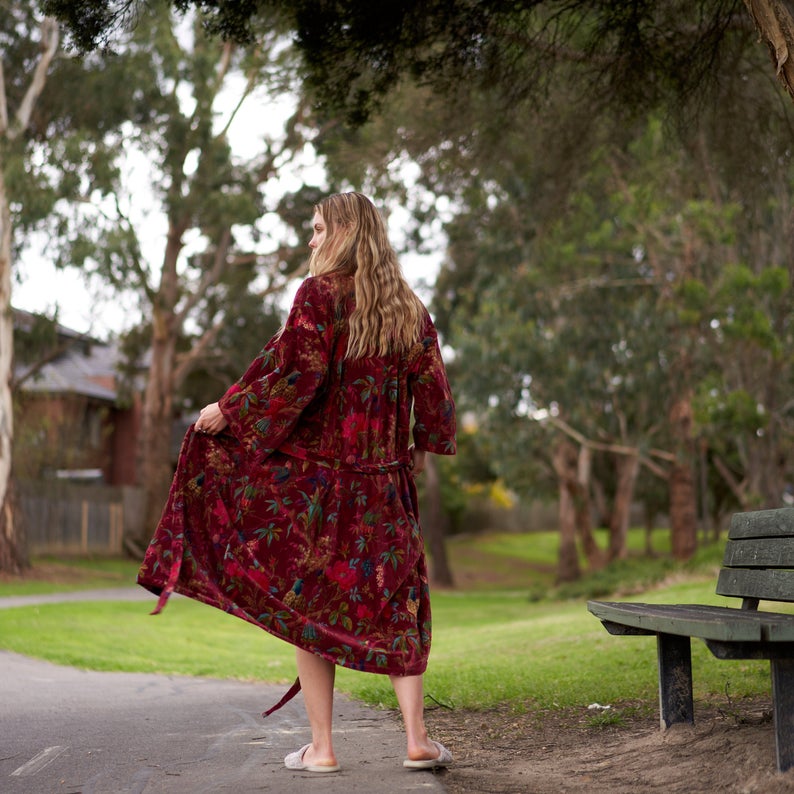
x: 211, y: 420
x: 417, y: 459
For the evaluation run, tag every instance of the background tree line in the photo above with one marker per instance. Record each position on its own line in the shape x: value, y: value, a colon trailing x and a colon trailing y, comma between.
x: 614, y: 181
x: 617, y: 285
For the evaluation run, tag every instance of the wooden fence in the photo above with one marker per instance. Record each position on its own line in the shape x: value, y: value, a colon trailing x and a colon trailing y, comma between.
x: 67, y: 518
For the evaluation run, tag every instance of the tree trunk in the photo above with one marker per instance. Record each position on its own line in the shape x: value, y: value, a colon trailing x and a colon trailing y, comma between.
x: 434, y: 525
x: 738, y: 489
x: 584, y: 512
x: 683, y: 493
x: 599, y: 501
x: 13, y: 554
x: 565, y: 461
x: 628, y: 467
x: 683, y: 516
x: 13, y: 558
x: 154, y: 456
x: 703, y: 469
x: 775, y: 23
x: 155, y: 467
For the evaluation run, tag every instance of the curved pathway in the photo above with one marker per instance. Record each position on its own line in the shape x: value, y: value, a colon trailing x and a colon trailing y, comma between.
x: 68, y: 730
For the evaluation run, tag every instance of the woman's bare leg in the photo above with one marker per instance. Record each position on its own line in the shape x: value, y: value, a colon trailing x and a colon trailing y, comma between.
x: 410, y: 695
x: 317, y: 683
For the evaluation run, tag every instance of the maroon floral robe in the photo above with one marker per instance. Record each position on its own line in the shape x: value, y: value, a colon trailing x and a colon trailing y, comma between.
x: 301, y: 517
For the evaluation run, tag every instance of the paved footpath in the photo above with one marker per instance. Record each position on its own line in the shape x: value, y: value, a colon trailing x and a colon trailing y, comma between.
x: 79, y: 732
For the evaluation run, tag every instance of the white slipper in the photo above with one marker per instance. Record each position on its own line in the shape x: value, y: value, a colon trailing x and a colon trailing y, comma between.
x: 444, y: 759
x: 294, y: 761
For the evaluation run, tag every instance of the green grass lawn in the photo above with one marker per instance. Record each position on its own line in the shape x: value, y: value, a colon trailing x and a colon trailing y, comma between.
x: 490, y: 646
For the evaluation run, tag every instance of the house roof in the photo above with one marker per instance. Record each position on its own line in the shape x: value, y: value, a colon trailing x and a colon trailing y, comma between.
x: 73, y: 372
x: 85, y: 367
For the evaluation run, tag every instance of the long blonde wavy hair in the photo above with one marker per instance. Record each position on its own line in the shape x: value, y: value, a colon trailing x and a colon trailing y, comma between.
x: 388, y: 317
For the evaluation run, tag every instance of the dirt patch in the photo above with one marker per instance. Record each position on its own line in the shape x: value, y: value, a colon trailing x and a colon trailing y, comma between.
x: 619, y: 751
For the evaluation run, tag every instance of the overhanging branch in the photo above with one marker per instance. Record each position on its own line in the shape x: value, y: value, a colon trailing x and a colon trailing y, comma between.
x: 49, y: 46
x: 616, y: 449
x: 775, y: 25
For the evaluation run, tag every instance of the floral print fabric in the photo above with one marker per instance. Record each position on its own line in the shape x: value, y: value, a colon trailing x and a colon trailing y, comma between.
x: 301, y: 517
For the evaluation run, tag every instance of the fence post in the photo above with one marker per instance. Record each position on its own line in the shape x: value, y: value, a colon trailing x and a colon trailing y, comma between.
x: 84, y: 526
x: 66, y: 518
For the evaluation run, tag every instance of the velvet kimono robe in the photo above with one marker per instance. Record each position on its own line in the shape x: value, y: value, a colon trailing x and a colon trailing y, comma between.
x: 301, y: 517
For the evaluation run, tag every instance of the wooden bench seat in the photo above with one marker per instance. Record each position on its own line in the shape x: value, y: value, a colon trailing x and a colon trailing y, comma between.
x: 758, y: 566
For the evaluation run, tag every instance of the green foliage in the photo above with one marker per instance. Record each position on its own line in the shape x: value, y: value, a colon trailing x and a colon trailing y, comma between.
x: 458, y: 476
x: 68, y: 151
x: 750, y: 306
x: 610, y: 313
x: 590, y: 275
x: 723, y: 413
x: 627, y: 57
x: 357, y: 53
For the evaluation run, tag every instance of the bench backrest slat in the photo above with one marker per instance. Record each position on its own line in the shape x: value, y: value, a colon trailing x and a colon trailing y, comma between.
x: 759, y: 556
x: 768, y: 585
x: 777, y: 523
x: 760, y: 553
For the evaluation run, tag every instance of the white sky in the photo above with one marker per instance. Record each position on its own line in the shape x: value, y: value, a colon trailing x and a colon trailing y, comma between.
x: 95, y: 309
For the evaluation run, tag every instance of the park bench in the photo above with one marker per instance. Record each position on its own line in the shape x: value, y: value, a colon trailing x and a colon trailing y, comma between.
x: 758, y: 566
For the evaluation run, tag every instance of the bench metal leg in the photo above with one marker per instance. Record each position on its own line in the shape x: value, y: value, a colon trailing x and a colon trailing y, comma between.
x: 783, y: 709
x: 675, y: 680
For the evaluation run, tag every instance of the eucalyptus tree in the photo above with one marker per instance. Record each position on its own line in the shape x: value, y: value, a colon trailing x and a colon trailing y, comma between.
x: 55, y: 152
x: 23, y: 74
x: 222, y: 242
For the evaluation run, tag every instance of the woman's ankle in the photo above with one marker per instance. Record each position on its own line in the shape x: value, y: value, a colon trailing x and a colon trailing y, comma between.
x: 320, y: 753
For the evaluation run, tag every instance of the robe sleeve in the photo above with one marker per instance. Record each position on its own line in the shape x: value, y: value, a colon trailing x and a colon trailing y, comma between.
x: 434, y: 408
x: 263, y: 407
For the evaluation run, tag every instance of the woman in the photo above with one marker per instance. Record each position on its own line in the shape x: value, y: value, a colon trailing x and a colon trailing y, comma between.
x: 294, y: 506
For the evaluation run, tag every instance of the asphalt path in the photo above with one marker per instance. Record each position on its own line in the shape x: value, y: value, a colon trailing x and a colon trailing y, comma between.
x: 69, y: 731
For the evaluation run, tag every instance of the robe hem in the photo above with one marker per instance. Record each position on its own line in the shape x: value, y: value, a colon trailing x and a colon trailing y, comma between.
x: 164, y: 592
